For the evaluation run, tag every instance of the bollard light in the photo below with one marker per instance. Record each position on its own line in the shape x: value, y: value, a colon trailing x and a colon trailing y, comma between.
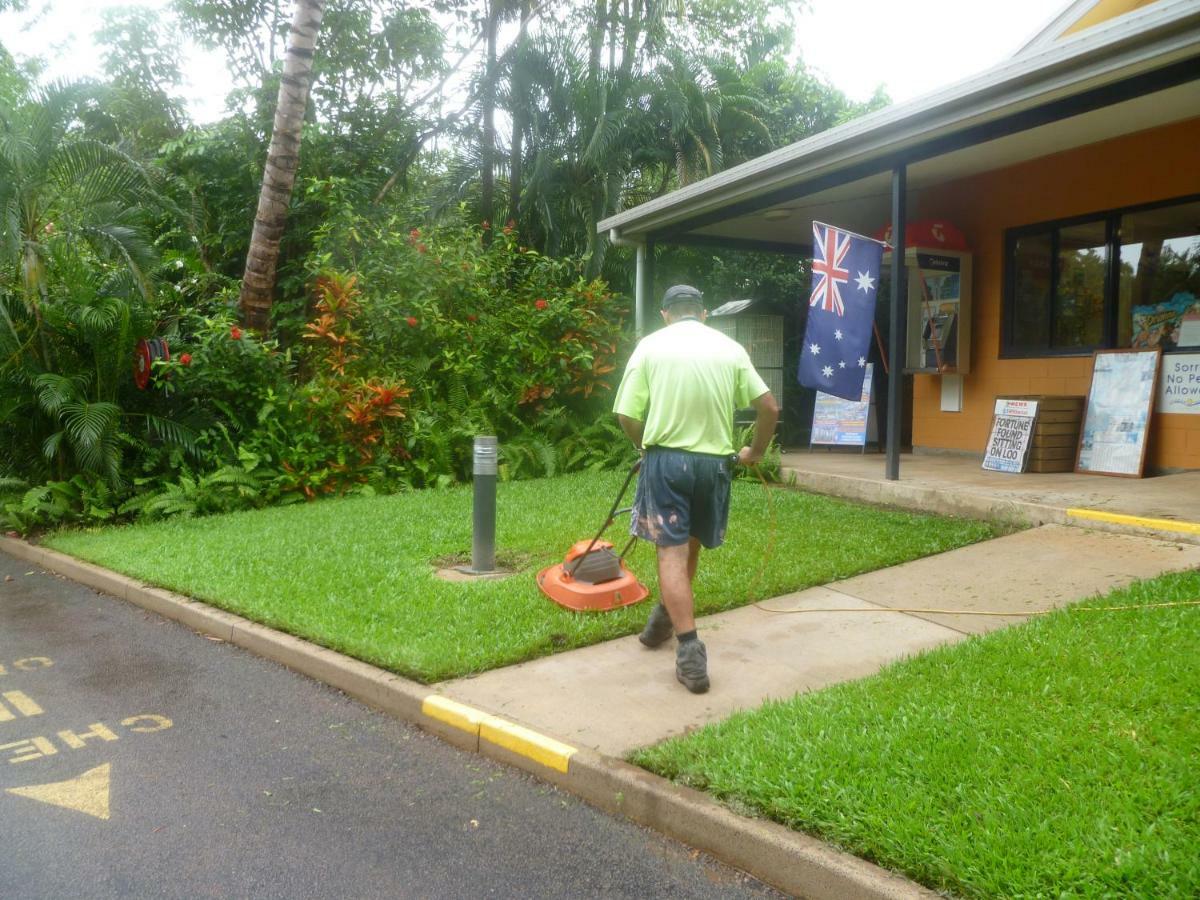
x: 483, y: 539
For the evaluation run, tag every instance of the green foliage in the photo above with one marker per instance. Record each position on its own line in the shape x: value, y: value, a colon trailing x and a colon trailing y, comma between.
x: 120, y: 221
x: 490, y: 339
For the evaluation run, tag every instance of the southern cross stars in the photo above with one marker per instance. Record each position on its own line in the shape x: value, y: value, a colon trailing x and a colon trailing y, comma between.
x: 838, y: 334
x: 814, y: 349
x: 827, y: 371
x: 865, y: 281
x: 862, y: 361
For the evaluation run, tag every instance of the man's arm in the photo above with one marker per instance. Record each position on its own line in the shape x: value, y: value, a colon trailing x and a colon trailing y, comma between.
x: 633, y: 429
x: 766, y: 415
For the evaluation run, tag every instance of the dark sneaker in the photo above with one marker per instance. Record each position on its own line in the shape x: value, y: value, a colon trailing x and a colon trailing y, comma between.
x: 658, y: 627
x: 691, y: 666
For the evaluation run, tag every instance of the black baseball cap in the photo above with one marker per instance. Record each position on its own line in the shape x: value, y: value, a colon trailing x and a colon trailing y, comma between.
x: 677, y: 292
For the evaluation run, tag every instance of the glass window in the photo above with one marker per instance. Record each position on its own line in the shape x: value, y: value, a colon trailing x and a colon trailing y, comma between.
x: 1032, y: 256
x: 1122, y: 279
x: 1077, y: 311
x: 1159, y: 291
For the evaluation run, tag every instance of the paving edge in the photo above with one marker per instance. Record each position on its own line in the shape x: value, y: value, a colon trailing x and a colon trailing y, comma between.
x: 793, y: 862
x: 968, y: 504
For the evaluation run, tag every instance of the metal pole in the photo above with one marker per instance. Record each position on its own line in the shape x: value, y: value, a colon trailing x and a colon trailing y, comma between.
x: 639, y: 292
x: 899, y: 321
x: 483, y: 538
x: 648, y: 290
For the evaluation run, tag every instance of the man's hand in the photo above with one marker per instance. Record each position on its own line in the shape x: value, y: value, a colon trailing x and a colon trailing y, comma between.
x: 766, y: 415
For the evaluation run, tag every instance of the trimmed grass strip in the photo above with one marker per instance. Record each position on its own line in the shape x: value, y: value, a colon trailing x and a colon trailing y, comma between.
x: 357, y: 575
x: 1053, y: 759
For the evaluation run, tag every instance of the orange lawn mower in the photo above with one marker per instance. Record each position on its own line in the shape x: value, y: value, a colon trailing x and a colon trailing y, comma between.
x: 592, y: 578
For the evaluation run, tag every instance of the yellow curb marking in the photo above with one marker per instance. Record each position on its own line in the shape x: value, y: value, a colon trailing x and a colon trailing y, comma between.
x: 452, y: 713
x: 522, y: 741
x: 87, y: 794
x: 1099, y: 515
x: 541, y: 749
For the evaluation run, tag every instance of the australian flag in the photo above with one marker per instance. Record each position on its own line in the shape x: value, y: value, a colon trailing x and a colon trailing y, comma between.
x: 841, y: 311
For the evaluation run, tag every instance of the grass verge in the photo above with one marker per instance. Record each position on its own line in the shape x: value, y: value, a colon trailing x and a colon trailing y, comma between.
x: 1057, y: 758
x: 357, y: 575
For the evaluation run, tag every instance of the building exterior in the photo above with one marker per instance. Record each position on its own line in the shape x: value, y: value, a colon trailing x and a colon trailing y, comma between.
x: 1072, y: 171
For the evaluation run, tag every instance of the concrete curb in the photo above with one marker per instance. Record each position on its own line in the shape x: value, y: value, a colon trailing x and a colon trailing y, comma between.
x: 792, y: 862
x: 967, y: 504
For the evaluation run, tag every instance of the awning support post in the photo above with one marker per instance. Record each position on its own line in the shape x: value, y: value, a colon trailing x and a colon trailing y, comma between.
x: 899, y: 321
x: 639, y: 292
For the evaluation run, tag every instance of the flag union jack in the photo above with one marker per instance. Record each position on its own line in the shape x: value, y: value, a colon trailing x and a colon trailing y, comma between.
x: 830, y: 247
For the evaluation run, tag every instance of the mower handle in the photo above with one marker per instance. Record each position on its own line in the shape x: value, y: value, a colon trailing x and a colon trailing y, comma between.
x: 612, y: 514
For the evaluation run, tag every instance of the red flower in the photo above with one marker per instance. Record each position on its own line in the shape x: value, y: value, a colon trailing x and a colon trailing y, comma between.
x: 540, y: 303
x: 471, y: 317
x: 412, y: 321
x: 235, y: 333
x: 185, y: 359
x: 413, y: 235
x: 421, y: 248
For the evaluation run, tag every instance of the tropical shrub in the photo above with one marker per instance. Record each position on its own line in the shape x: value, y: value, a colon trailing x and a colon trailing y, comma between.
x: 489, y: 336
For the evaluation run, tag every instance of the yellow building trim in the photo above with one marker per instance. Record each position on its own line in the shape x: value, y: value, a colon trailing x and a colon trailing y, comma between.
x: 1099, y: 515
x: 1102, y: 12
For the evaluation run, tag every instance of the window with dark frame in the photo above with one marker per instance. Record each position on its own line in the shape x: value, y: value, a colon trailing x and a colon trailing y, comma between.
x: 1117, y: 279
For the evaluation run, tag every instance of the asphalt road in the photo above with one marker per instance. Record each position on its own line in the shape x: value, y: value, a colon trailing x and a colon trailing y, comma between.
x: 138, y: 759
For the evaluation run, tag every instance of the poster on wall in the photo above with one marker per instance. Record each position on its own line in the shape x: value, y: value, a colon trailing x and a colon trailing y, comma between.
x: 1116, y: 422
x: 1008, y: 444
x: 1179, y: 384
x: 1174, y: 323
x: 842, y: 423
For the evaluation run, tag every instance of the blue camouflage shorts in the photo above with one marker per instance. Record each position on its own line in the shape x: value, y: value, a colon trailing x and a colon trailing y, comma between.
x: 681, y: 495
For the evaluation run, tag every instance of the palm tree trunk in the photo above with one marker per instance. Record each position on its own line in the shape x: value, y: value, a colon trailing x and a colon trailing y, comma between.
x: 487, y: 199
x: 519, y: 106
x: 283, y: 158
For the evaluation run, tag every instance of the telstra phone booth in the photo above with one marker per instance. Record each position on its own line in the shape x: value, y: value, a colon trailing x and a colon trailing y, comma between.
x: 938, y: 265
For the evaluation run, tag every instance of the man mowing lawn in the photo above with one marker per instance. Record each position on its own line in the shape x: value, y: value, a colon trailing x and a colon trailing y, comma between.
x: 676, y: 403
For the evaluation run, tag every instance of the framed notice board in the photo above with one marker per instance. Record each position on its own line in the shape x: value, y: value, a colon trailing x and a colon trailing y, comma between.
x: 1116, y: 421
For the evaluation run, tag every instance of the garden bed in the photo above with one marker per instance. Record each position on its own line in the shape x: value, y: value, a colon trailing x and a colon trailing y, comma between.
x: 1056, y: 758
x: 358, y: 575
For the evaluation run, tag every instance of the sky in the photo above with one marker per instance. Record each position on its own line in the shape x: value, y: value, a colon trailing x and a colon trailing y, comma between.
x: 911, y: 47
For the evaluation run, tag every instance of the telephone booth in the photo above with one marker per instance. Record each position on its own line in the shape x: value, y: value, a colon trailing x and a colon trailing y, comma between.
x: 938, y: 265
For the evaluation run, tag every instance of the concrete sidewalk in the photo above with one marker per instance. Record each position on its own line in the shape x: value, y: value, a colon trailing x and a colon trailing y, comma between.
x: 618, y: 696
x: 1163, y: 506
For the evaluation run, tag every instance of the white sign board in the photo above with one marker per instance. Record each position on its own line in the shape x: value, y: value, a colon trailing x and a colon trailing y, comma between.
x: 1008, y: 444
x: 1179, y: 384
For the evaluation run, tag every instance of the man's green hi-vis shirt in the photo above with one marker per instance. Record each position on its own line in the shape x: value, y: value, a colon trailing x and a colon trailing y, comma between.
x: 684, y: 382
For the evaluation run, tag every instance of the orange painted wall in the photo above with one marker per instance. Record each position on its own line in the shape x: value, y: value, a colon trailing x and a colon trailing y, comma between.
x: 1139, y: 168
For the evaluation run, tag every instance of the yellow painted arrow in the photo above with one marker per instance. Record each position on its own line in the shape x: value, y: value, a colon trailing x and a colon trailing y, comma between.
x: 87, y: 793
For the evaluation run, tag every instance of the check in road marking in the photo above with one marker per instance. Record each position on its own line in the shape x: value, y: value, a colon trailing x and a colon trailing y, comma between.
x: 87, y: 793
x: 18, y: 704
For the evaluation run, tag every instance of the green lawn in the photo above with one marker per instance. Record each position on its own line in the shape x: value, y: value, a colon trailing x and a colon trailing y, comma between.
x: 1058, y: 758
x: 356, y: 574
